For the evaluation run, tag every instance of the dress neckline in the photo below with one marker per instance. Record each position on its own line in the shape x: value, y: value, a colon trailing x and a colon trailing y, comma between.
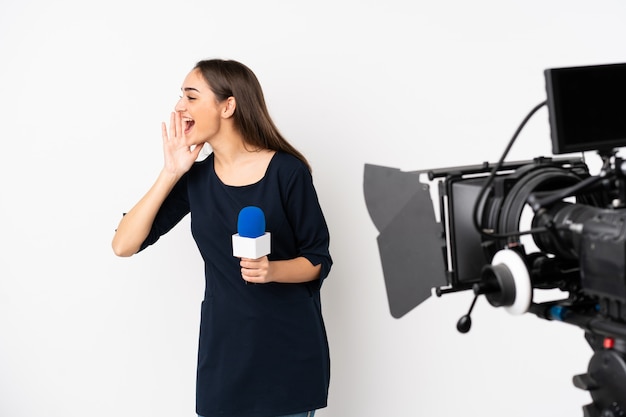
x: 267, y: 170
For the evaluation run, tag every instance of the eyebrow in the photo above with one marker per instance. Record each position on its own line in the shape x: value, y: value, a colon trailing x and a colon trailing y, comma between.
x: 191, y: 89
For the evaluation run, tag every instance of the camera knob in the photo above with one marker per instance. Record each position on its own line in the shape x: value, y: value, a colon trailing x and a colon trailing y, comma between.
x: 613, y: 410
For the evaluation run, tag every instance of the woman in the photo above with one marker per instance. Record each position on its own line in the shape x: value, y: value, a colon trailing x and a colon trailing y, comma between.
x: 263, y: 350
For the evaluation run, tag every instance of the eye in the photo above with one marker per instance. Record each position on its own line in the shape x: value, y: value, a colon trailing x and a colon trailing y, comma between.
x: 190, y: 98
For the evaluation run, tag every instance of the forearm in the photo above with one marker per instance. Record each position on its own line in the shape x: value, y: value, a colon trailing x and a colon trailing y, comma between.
x: 136, y: 224
x: 293, y: 271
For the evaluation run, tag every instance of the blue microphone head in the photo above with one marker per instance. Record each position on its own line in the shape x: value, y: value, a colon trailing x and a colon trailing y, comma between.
x: 251, y: 222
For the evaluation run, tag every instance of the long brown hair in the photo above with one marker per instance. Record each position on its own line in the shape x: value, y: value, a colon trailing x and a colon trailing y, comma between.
x: 228, y: 78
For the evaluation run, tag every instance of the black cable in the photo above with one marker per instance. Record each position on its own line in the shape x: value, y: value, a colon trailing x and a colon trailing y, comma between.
x: 492, y: 175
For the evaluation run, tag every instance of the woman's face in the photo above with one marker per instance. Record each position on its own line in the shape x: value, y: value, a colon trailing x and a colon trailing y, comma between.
x: 199, y: 109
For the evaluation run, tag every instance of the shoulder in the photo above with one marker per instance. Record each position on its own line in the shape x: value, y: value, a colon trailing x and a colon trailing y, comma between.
x: 290, y: 174
x: 284, y: 162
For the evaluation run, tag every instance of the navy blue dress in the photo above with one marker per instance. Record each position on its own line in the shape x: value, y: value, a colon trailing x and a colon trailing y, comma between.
x: 263, y: 349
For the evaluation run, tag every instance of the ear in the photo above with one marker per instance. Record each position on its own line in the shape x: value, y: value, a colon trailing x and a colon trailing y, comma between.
x: 228, y: 107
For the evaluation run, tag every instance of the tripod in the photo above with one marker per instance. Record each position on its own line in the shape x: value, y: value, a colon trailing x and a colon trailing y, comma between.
x: 605, y: 378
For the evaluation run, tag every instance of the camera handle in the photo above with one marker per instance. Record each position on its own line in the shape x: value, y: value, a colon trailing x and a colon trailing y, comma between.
x: 505, y: 283
x: 465, y: 322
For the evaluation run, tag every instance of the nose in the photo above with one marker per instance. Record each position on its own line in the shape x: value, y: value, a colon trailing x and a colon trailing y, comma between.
x: 180, y: 105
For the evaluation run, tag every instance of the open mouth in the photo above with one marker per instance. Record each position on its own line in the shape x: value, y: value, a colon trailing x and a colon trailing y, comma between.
x: 188, y: 125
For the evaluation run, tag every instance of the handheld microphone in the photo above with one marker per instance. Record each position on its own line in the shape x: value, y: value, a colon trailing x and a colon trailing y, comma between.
x: 251, y: 240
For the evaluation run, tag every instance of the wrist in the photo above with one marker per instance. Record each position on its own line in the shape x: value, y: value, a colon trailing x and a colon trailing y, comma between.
x: 169, y: 176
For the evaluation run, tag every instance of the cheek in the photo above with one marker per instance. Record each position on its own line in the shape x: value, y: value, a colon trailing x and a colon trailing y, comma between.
x: 207, y: 126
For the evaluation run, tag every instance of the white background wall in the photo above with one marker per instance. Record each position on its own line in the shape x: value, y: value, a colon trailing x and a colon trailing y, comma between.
x: 407, y: 84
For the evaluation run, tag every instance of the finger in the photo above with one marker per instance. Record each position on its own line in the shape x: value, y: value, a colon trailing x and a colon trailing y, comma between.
x: 248, y: 267
x: 172, y: 125
x: 183, y: 128
x: 246, y: 271
x: 164, y: 131
x: 179, y: 128
x: 245, y: 274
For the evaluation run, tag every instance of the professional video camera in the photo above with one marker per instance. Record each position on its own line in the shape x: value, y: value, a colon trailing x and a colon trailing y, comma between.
x: 508, y: 229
